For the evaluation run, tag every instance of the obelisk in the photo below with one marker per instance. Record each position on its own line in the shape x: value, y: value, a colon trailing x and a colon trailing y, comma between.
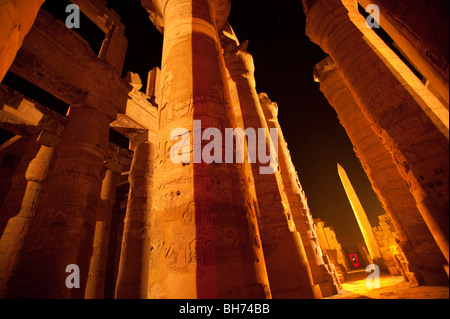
x: 361, y: 217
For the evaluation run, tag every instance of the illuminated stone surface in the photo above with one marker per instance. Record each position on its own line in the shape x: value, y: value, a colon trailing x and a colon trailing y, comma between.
x: 95, y: 284
x: 133, y: 269
x: 298, y: 203
x: 361, y: 217
x: 419, y: 29
x: 198, y: 230
x: 332, y: 253
x: 415, y: 239
x: 16, y: 19
x: 21, y: 204
x: 391, y: 287
x: 64, y: 222
x: 287, y: 263
x: 382, y: 83
x: 205, y: 240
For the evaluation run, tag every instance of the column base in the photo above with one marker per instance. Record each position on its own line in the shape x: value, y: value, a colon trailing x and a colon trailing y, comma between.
x: 328, y: 289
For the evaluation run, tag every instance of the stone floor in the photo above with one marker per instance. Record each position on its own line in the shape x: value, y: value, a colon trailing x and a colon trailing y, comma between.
x: 391, y: 287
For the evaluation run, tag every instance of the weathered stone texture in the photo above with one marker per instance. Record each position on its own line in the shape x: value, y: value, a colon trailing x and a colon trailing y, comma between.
x: 420, y: 29
x: 204, y: 212
x: 64, y: 222
x: 414, y: 237
x: 16, y: 19
x: 287, y: 264
x: 133, y: 269
x: 416, y: 133
x: 298, y: 203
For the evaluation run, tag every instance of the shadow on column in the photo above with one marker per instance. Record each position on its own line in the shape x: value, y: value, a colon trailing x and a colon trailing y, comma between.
x: 227, y: 245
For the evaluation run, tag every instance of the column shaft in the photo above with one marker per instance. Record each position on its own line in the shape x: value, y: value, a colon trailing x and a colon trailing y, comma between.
x: 405, y: 116
x: 133, y: 272
x: 20, y: 206
x: 115, y: 240
x: 63, y: 229
x: 95, y: 286
x: 301, y: 214
x: 205, y: 238
x: 286, y: 260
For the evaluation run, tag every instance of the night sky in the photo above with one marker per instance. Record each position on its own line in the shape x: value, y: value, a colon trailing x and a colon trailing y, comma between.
x: 284, y: 60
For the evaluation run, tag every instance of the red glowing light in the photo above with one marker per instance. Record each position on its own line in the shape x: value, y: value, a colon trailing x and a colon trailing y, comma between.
x: 354, y: 260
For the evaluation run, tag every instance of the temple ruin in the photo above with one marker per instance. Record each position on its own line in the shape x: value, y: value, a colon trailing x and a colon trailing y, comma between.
x: 137, y: 225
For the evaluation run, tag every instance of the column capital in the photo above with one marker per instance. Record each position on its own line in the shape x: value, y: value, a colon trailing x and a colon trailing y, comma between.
x: 238, y: 60
x: 48, y: 139
x: 156, y: 10
x: 322, y: 68
x: 324, y: 17
x: 113, y: 163
x: 240, y: 63
x: 270, y: 108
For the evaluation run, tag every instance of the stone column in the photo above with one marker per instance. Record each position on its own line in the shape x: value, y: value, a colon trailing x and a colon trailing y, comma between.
x: 115, y: 239
x: 95, y: 285
x: 63, y: 229
x: 415, y: 239
x: 132, y: 277
x: 205, y: 238
x: 420, y: 29
x: 406, y: 117
x: 19, y: 207
x: 16, y: 19
x: 298, y: 203
x: 286, y: 260
x: 229, y: 42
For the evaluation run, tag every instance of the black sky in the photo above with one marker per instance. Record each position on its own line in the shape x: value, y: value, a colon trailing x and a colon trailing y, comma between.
x: 284, y: 60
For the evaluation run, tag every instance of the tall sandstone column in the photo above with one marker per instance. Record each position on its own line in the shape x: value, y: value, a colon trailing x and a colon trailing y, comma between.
x: 21, y: 204
x: 420, y: 29
x: 63, y: 229
x: 286, y: 259
x: 95, y: 285
x: 205, y: 237
x: 407, y: 119
x: 415, y: 239
x: 229, y: 41
x: 133, y: 272
x: 298, y: 203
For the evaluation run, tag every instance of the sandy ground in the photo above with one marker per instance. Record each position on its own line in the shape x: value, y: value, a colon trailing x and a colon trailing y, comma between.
x: 391, y: 287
